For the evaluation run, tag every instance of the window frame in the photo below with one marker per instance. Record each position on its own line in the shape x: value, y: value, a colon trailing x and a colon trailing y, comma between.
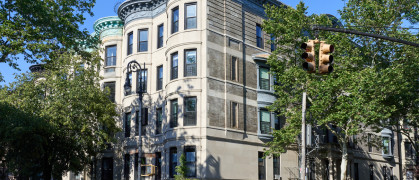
x: 173, y: 161
x: 261, y: 166
x: 127, y: 158
x: 127, y: 124
x: 260, y: 79
x: 174, y: 71
x: 144, y: 74
x: 259, y: 39
x: 159, y: 84
x: 195, y: 65
x: 186, y: 150
x: 160, y: 41
x: 234, y: 68
x: 260, y: 121
x: 187, y: 113
x: 112, y: 89
x: 186, y: 15
x: 142, y: 41
x: 174, y: 113
x: 112, y: 57
x: 234, y: 115
x: 137, y: 123
x: 175, y: 24
x: 130, y: 46
x: 159, y: 120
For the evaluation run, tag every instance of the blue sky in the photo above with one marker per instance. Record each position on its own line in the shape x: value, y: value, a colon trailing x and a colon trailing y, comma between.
x: 105, y: 8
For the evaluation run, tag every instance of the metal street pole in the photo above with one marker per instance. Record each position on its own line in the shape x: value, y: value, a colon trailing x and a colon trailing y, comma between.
x: 303, y: 139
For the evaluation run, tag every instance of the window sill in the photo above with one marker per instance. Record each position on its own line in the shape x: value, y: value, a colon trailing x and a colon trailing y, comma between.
x: 265, y: 91
x: 387, y: 156
x: 265, y: 136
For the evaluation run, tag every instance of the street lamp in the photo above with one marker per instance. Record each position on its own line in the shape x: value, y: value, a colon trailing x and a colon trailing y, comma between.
x: 134, y: 66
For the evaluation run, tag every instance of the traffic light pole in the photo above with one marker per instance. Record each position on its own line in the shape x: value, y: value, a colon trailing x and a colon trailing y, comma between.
x: 303, y: 139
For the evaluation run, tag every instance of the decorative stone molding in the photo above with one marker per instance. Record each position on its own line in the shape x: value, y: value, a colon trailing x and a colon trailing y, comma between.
x: 256, y: 6
x: 37, y: 68
x: 139, y: 9
x: 108, y: 26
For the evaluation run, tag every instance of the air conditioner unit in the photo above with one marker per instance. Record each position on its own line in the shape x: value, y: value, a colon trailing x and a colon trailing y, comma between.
x: 277, y: 176
x: 149, y: 169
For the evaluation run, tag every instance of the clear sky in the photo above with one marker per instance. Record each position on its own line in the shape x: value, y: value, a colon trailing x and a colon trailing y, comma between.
x: 105, y: 8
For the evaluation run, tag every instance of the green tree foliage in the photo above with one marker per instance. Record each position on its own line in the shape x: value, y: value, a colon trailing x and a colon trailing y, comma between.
x: 374, y: 83
x: 38, y: 28
x: 181, y: 169
x: 57, y: 120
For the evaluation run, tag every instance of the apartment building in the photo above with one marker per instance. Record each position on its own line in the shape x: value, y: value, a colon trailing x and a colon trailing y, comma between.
x: 206, y: 85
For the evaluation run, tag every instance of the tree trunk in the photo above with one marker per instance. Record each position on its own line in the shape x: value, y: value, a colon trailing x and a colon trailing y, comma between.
x: 344, y: 163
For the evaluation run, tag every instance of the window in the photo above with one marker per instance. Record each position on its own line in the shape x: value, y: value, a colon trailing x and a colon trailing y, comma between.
x: 175, y: 20
x: 143, y: 75
x: 277, y: 167
x: 126, y: 167
x: 190, y: 16
x: 159, y: 77
x: 137, y: 123
x: 158, y: 165
x: 107, y: 169
x: 369, y: 140
x: 130, y: 43
x: 385, y: 172
x: 173, y: 113
x: 387, y: 146
x: 190, y: 155
x: 264, y: 80
x: 143, y: 168
x: 190, y: 62
x: 409, y: 150
x: 127, y: 124
x: 136, y: 165
x: 143, y: 40
x: 259, y: 36
x: 110, y: 88
x: 174, y: 62
x: 159, y: 121
x: 265, y: 121
x: 160, y: 36
x: 261, y: 166
x: 234, y: 114
x: 273, y: 45
x: 130, y: 82
x: 356, y: 171
x: 277, y: 121
x: 173, y: 162
x: 110, y: 55
x: 391, y: 173
x: 371, y: 172
x: 144, y: 120
x: 234, y: 68
x: 190, y: 112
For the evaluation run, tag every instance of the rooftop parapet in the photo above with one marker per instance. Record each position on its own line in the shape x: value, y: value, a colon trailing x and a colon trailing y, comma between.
x: 108, y: 26
x: 140, y: 9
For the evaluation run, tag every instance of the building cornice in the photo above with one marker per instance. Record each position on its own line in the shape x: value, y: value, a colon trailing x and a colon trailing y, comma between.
x: 137, y: 9
x: 106, y: 23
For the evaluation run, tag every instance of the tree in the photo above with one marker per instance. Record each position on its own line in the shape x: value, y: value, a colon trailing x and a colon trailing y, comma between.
x: 373, y: 81
x: 71, y: 118
x: 36, y: 29
x: 181, y: 169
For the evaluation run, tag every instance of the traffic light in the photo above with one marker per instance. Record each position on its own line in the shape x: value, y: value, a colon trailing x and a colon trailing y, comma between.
x: 325, y: 59
x: 308, y: 55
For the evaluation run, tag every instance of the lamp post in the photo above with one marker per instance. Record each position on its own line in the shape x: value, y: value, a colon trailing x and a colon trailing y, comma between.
x: 134, y: 66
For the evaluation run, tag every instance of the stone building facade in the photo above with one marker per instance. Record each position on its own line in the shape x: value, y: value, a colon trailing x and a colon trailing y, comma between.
x: 206, y: 88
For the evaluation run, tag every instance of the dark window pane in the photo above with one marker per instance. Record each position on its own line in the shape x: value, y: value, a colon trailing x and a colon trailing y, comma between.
x: 159, y: 77
x: 175, y: 20
x: 160, y: 37
x: 107, y: 169
x: 173, y: 113
x: 110, y: 56
x: 126, y: 167
x: 137, y: 123
x: 233, y: 68
x: 130, y: 42
x: 159, y: 121
x: 190, y: 111
x: 143, y: 76
x: 130, y: 82
x: 110, y: 87
x: 259, y: 36
x: 174, y: 72
x: 127, y: 124
x: 190, y: 154
x: 273, y: 45
x: 261, y: 166
x: 173, y: 162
